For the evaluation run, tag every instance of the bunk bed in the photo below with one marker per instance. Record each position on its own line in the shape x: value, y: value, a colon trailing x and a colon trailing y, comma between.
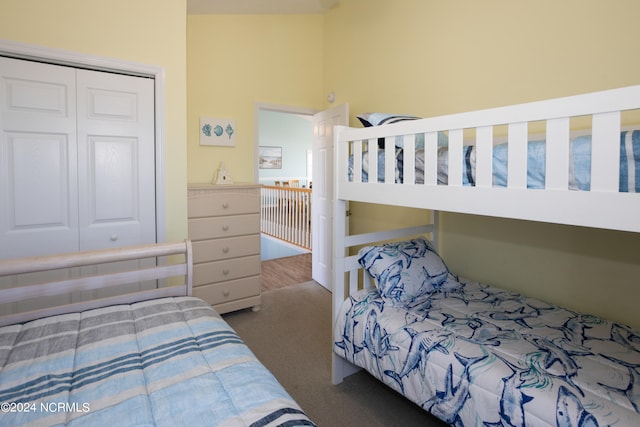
x: 470, y: 353
x: 154, y: 357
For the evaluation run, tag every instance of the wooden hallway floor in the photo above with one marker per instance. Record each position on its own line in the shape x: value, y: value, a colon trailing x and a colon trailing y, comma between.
x: 288, y: 271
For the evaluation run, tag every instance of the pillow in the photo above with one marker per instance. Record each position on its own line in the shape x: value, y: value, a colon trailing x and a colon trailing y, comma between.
x: 407, y: 273
x: 376, y: 119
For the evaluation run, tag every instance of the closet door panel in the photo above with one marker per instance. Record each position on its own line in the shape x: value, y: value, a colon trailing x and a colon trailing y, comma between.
x: 38, y: 160
x: 38, y: 177
x: 117, y: 143
x: 115, y: 166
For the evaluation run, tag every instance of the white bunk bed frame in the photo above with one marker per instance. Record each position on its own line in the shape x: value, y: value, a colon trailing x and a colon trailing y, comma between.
x: 601, y: 207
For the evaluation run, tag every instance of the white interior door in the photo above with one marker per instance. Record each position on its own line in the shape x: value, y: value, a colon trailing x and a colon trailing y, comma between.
x: 38, y: 159
x: 322, y: 195
x: 117, y: 160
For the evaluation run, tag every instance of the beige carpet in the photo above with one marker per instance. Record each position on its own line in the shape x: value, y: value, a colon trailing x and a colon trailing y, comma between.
x: 291, y: 335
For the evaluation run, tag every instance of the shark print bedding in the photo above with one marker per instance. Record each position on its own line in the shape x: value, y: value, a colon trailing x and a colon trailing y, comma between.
x: 163, y: 362
x: 475, y: 355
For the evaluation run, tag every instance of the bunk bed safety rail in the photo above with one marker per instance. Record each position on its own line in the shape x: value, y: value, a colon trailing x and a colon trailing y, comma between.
x: 556, y: 202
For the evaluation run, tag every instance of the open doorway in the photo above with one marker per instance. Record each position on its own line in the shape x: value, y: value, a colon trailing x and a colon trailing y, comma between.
x: 283, y: 141
x: 318, y: 167
x: 283, y: 148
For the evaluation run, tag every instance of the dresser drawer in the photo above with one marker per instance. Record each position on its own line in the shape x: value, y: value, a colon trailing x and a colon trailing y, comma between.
x: 219, y: 271
x: 223, y: 226
x: 219, y: 203
x: 223, y: 292
x: 219, y: 249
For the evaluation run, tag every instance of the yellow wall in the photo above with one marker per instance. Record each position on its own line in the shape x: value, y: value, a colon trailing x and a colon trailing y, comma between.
x: 432, y: 57
x: 424, y: 57
x: 144, y: 31
x: 236, y: 61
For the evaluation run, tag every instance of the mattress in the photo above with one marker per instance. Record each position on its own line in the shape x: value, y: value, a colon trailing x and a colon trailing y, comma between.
x: 164, y: 362
x: 579, y: 167
x: 482, y: 356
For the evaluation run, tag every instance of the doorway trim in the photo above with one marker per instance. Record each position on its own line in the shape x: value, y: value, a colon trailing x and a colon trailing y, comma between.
x: 92, y: 62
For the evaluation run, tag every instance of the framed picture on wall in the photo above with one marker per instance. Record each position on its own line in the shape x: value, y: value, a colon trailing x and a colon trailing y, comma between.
x: 270, y: 157
x: 217, y: 132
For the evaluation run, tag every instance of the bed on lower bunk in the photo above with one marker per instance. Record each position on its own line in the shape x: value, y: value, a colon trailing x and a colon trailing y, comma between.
x: 470, y: 353
x: 151, y: 358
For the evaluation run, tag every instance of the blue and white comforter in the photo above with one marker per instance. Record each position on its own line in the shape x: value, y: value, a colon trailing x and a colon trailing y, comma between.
x: 481, y: 356
x: 579, y: 167
x: 165, y: 362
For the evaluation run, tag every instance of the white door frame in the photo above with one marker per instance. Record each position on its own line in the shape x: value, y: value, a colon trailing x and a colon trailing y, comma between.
x: 98, y: 63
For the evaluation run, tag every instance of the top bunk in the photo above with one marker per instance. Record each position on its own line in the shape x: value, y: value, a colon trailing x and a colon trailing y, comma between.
x: 572, y: 160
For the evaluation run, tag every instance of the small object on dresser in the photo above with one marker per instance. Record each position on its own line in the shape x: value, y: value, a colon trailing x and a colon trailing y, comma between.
x: 222, y: 175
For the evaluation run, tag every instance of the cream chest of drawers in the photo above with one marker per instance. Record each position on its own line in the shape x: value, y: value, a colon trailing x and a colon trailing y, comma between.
x: 224, y: 227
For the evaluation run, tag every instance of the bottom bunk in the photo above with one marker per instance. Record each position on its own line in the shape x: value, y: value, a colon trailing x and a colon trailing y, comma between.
x: 475, y: 355
x: 160, y: 361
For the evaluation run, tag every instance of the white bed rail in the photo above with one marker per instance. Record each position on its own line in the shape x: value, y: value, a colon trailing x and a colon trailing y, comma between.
x: 182, y: 268
x: 601, y: 207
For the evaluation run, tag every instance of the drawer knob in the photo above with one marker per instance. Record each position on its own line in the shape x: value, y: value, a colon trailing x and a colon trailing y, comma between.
x: 225, y: 227
x: 225, y: 271
x: 226, y: 293
x: 225, y: 250
x: 113, y: 237
x: 225, y: 205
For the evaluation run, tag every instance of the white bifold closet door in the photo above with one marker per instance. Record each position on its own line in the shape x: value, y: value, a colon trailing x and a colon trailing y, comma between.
x: 38, y: 173
x: 77, y: 159
x: 77, y: 165
x: 116, y: 160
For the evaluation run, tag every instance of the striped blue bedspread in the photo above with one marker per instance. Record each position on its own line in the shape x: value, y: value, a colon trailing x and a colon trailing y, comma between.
x: 484, y: 357
x: 165, y: 362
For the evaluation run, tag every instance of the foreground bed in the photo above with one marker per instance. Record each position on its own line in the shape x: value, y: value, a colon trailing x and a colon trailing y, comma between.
x: 469, y: 353
x: 169, y: 360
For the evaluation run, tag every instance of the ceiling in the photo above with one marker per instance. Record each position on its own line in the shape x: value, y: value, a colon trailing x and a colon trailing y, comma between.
x: 204, y: 7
